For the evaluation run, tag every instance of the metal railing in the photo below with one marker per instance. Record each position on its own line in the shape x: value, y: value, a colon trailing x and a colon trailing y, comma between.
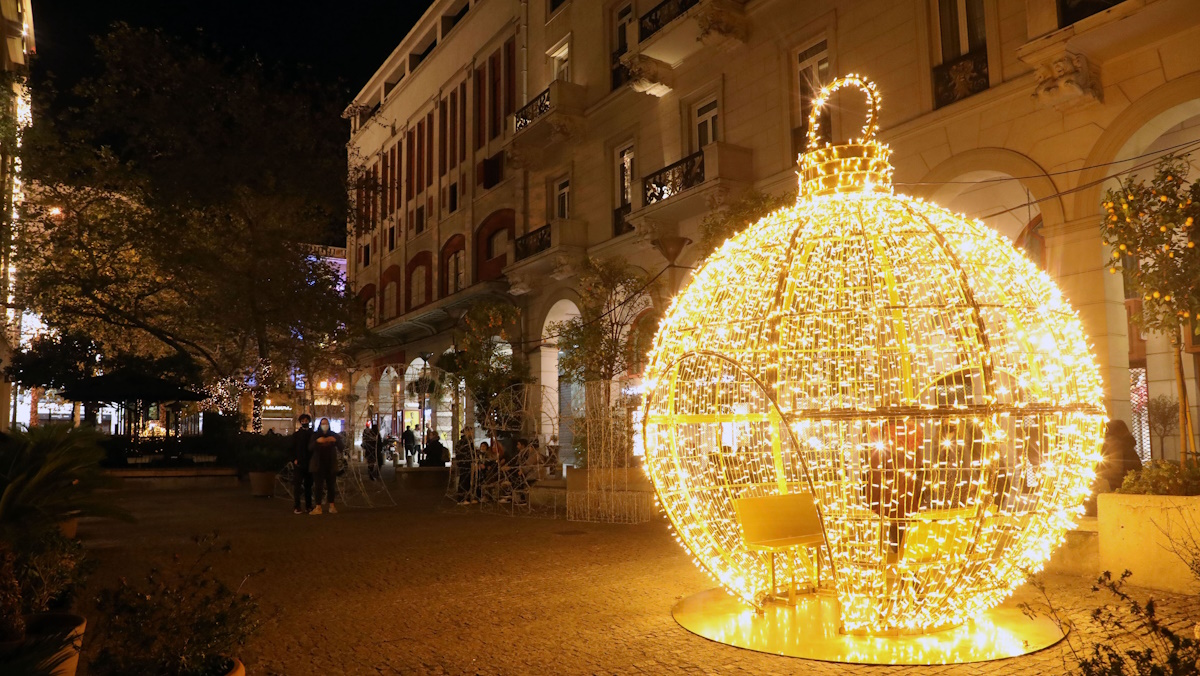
x: 664, y: 13
x: 620, y: 224
x: 673, y: 179
x: 532, y: 243
x: 959, y: 78
x: 536, y: 108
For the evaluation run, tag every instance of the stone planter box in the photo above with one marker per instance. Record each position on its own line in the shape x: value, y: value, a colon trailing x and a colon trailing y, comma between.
x: 1141, y: 533
x: 632, y: 479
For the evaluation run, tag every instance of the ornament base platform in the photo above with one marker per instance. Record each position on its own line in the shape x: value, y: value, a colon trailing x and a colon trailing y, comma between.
x: 809, y: 630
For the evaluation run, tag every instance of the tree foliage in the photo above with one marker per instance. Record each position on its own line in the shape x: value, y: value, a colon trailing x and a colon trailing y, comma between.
x: 1150, y: 227
x: 599, y: 344
x: 177, y: 194
x: 484, y: 359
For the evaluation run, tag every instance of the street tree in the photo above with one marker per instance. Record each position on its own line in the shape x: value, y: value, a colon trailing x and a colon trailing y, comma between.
x: 178, y: 191
x: 1150, y: 226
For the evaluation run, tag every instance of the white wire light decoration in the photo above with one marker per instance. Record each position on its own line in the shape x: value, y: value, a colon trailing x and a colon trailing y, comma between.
x: 926, y: 382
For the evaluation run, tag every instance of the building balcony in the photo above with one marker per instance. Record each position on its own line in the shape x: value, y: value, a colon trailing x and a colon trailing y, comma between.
x: 552, y: 116
x: 960, y: 78
x: 552, y: 250
x: 684, y: 189
x: 677, y: 29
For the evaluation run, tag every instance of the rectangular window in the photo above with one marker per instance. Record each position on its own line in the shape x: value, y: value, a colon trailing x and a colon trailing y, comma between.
x: 452, y: 138
x: 374, y: 196
x: 396, y: 155
x: 624, y: 175
x: 443, y: 136
x: 462, y: 122
x: 480, y: 106
x: 510, y: 79
x: 562, y: 198
x: 420, y: 156
x: 813, y: 73
x: 962, y: 27
x: 429, y: 149
x: 494, y: 95
x: 1070, y: 11
x: 383, y: 193
x: 366, y: 255
x: 458, y: 271
x: 453, y: 197
x: 392, y: 238
x: 416, y: 288
x: 562, y: 63
x: 706, y: 123
x: 409, y: 173
x: 624, y: 21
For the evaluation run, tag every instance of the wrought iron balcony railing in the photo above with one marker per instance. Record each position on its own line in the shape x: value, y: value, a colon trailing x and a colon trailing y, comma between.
x: 664, y: 13
x: 962, y: 77
x: 539, y: 106
x: 532, y: 243
x: 673, y: 179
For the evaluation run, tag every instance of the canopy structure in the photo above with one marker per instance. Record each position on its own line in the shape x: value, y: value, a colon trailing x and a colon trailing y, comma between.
x: 136, y: 394
x: 126, y: 386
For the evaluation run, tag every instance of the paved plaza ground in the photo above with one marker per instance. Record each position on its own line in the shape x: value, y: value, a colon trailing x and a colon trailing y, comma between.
x: 431, y: 587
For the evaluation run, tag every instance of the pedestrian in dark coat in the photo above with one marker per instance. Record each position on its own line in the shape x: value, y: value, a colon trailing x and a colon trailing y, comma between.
x: 370, y: 445
x: 302, y: 478
x: 325, y: 446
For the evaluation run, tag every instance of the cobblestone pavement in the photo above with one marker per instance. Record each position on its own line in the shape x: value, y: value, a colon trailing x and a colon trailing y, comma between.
x: 430, y: 587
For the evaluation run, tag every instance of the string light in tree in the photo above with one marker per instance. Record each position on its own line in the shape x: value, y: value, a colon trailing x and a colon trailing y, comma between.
x: 911, y: 369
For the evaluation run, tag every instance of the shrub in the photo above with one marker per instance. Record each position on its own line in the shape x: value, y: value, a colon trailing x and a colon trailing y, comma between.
x: 51, y: 474
x: 1163, y: 477
x: 50, y: 568
x: 183, y: 621
x: 12, y: 621
x: 262, y: 458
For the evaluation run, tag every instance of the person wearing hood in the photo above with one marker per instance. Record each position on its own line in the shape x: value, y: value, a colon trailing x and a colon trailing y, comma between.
x: 302, y: 478
x: 325, y: 446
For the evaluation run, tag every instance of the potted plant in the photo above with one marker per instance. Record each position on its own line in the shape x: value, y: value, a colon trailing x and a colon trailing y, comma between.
x: 50, y: 475
x: 198, y: 622
x: 50, y: 568
x: 262, y: 463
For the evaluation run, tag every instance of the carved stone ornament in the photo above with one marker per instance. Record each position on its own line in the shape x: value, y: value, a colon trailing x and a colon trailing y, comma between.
x: 518, y: 285
x: 1066, y: 81
x: 719, y: 20
x: 565, y: 267
x: 648, y: 76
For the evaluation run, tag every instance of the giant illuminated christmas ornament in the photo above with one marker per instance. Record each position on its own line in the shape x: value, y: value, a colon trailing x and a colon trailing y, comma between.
x: 904, y: 370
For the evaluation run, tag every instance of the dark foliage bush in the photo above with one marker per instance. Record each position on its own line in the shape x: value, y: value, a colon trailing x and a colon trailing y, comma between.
x: 1163, y: 477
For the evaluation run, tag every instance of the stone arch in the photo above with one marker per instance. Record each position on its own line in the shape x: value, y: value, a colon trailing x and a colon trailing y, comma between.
x: 452, y: 246
x: 491, y: 267
x: 982, y: 163
x: 1132, y: 131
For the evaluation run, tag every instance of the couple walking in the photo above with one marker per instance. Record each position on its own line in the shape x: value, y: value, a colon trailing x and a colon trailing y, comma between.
x: 315, y: 459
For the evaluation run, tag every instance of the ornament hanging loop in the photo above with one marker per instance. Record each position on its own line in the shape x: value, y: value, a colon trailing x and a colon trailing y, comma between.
x: 818, y: 105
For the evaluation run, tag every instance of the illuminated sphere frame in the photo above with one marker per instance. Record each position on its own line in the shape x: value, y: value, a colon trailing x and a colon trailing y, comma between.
x: 921, y: 378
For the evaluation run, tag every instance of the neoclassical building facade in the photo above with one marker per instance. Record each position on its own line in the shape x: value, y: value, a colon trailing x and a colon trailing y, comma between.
x: 506, y: 140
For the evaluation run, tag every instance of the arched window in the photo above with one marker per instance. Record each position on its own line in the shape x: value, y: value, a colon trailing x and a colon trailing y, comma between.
x: 417, y: 291
x: 389, y: 301
x: 456, y: 271
x: 497, y: 244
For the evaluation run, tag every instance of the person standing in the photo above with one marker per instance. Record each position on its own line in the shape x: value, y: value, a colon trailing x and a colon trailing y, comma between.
x: 325, y: 446
x: 370, y: 446
x: 302, y: 478
x: 410, y: 442
x: 436, y: 454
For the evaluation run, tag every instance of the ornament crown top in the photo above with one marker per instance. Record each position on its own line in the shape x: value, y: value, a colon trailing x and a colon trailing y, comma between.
x: 858, y: 166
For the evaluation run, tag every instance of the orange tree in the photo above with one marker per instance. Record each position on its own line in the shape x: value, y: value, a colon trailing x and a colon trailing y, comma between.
x: 1150, y: 226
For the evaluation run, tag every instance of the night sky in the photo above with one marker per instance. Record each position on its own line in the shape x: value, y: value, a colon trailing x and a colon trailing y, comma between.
x: 344, y: 42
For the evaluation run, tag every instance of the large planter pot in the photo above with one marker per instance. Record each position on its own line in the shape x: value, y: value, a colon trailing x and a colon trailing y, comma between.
x: 262, y: 484
x: 238, y: 669
x: 69, y: 528
x: 1146, y: 535
x: 41, y: 625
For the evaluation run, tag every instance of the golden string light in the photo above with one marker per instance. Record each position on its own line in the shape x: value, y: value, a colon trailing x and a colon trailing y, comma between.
x: 910, y: 369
